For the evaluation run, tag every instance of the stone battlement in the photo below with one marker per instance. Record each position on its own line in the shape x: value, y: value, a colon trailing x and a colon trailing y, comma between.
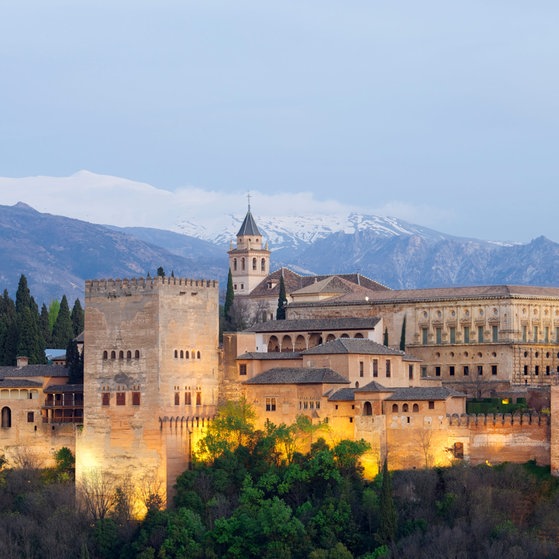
x: 128, y: 287
x: 498, y: 419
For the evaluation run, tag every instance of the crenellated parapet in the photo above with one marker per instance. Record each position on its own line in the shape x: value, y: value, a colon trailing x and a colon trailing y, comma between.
x: 498, y: 419
x: 133, y: 286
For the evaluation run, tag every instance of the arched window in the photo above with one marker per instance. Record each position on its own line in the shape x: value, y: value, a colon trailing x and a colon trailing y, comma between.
x: 254, y: 265
x: 234, y: 264
x: 128, y: 354
x: 405, y: 408
x: 137, y: 354
x: 394, y: 408
x: 176, y: 353
x: 330, y: 338
x: 273, y: 344
x: 300, y: 344
x: 113, y: 354
x: 367, y: 408
x: 286, y: 343
x: 187, y: 354
x: 105, y: 355
x: 263, y: 264
x: 6, y: 417
x: 356, y: 384
x: 344, y: 335
x: 182, y: 354
x: 198, y: 355
x: 358, y: 335
x: 415, y: 408
x: 242, y: 264
x: 121, y: 354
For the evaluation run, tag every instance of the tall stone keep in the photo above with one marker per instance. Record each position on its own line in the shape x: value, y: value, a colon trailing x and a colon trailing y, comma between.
x: 249, y: 260
x: 150, y: 378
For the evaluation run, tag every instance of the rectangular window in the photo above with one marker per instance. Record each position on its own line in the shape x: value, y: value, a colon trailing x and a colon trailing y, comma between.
x: 105, y: 398
x: 480, y: 370
x: 121, y: 398
x: 423, y: 371
x: 424, y: 336
x: 466, y: 334
x: 410, y: 372
x: 361, y: 369
x: 451, y: 370
x: 546, y: 334
x: 535, y: 333
x: 375, y: 367
x: 547, y: 370
x: 188, y: 398
x: 242, y: 369
x: 388, y: 369
x: 466, y: 370
x: 525, y: 369
x: 431, y: 404
x: 537, y: 370
x: 524, y: 333
x: 557, y: 334
x: 136, y: 398
x: 177, y: 399
x: 452, y: 335
x: 437, y: 371
x: 198, y: 397
x: 271, y: 404
x: 30, y: 417
x: 439, y: 335
x: 494, y: 370
x: 480, y: 334
x: 495, y: 333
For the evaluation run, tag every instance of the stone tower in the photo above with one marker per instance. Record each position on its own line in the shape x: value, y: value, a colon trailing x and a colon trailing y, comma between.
x: 150, y: 378
x: 249, y: 261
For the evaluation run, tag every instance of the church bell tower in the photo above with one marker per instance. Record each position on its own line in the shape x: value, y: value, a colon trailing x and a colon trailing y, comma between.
x: 249, y: 261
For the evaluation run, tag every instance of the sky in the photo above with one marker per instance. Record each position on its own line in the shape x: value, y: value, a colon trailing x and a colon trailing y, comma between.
x: 445, y: 114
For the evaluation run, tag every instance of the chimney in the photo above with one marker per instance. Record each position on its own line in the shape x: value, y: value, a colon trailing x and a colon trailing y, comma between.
x: 22, y: 361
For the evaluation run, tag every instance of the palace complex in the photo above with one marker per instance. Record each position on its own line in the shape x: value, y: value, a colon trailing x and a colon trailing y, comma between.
x: 362, y: 361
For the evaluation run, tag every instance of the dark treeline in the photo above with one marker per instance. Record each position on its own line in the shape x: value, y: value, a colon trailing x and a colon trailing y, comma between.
x: 252, y: 495
x: 27, y: 331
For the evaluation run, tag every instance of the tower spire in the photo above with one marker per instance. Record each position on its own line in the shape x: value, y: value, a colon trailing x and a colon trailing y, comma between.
x: 248, y: 198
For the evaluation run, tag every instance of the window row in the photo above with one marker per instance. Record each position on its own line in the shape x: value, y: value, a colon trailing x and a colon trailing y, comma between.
x: 129, y: 354
x: 468, y: 335
x: 120, y: 398
x: 536, y: 370
x: 414, y: 407
x: 186, y: 354
x: 186, y: 398
x: 309, y: 404
x: 301, y: 343
x: 537, y: 335
x: 243, y: 264
x: 387, y: 368
x: 465, y: 369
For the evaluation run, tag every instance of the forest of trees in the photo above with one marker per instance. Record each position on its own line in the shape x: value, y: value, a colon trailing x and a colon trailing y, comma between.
x: 27, y: 331
x: 251, y: 494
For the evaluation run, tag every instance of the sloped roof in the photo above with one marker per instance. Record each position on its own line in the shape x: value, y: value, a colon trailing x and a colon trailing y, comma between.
x: 34, y: 371
x: 18, y: 383
x: 248, y: 227
x: 352, y: 345
x: 342, y: 395
x: 374, y: 386
x: 294, y: 282
x: 270, y: 356
x: 315, y: 324
x: 425, y: 393
x: 53, y: 389
x: 298, y: 375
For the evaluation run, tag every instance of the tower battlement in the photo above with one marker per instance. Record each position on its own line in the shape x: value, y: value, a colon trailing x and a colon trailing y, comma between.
x: 128, y: 287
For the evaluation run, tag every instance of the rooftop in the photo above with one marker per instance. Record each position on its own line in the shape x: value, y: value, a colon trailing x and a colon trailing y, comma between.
x: 298, y: 375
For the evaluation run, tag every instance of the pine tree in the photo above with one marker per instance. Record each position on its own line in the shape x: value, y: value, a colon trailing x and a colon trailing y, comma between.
x: 403, y: 335
x: 62, y: 331
x: 229, y: 298
x: 282, y: 300
x: 77, y: 317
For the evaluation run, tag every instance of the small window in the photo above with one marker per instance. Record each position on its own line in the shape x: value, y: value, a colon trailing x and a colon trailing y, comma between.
x: 405, y: 408
x: 410, y: 372
x: 198, y: 355
x: 458, y: 450
x: 394, y: 408
x: 466, y: 334
x: 431, y: 404
x: 494, y: 370
x: 198, y: 398
x: 361, y: 369
x: 121, y: 354
x: 480, y: 370
x: 121, y: 398
x: 177, y: 399
x: 415, y: 408
x: 242, y: 369
x: 466, y: 370
x: 451, y: 370
x: 495, y: 333
x: 128, y: 354
x: 105, y: 398
x: 135, y: 398
x: 30, y: 417
x: 437, y: 371
x: 113, y: 354
x: 271, y: 404
x: 388, y: 369
x: 188, y: 398
x: 105, y: 355
x: 375, y: 368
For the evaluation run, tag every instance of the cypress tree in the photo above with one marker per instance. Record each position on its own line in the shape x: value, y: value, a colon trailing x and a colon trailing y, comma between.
x: 62, y: 331
x: 282, y: 300
x: 8, y: 330
x: 44, y: 324
x: 30, y: 340
x: 229, y: 298
x: 74, y: 362
x: 77, y: 317
x: 385, y: 337
x: 388, y: 516
x: 403, y: 335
